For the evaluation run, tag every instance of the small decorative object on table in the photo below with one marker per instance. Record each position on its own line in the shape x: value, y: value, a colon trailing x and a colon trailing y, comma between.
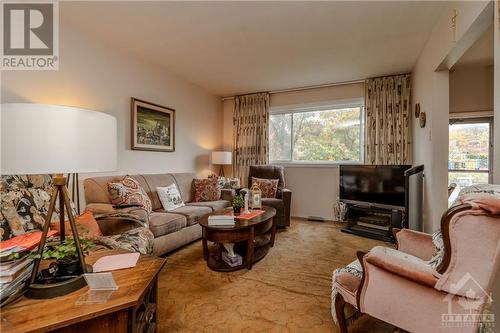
x: 237, y: 203
x: 339, y: 210
x: 255, y: 196
x: 246, y: 211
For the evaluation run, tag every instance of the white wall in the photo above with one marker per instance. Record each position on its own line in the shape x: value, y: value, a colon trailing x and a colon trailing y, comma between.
x: 471, y: 89
x: 431, y: 90
x: 315, y: 188
x: 95, y: 76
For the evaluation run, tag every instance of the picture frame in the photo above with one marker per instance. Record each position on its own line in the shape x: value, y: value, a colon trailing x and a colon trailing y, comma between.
x: 152, y: 126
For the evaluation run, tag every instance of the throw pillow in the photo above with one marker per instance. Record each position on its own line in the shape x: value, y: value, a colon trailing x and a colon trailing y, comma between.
x: 129, y: 191
x: 85, y: 224
x: 268, y: 187
x: 206, y: 190
x: 170, y: 197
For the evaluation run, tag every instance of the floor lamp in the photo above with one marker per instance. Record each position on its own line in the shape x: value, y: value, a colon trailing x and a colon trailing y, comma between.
x: 53, y: 139
x: 221, y: 158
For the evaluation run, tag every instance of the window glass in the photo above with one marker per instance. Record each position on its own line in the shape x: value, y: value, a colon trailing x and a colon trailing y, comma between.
x: 324, y: 135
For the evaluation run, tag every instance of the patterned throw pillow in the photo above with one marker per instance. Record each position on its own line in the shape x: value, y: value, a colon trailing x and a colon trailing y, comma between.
x: 268, y: 187
x: 206, y: 189
x: 170, y: 197
x: 129, y: 191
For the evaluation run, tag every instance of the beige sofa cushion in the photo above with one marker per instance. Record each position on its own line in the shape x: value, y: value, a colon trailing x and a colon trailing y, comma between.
x: 163, y: 223
x: 96, y: 188
x: 214, y: 205
x: 154, y: 181
x: 193, y: 214
x: 185, y: 185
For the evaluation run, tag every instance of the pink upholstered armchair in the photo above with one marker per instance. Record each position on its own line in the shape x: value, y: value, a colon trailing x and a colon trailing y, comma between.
x: 402, y: 288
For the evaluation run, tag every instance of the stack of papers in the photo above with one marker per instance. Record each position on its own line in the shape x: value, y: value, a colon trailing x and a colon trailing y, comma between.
x: 221, y: 220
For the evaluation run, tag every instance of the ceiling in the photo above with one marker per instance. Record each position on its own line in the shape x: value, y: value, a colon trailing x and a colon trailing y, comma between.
x: 481, y: 53
x: 238, y: 47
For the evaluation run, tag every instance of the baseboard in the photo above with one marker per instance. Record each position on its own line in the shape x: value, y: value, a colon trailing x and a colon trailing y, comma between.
x: 312, y: 218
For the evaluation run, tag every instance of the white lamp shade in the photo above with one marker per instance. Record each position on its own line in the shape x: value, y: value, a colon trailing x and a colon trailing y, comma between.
x: 222, y: 157
x: 48, y: 139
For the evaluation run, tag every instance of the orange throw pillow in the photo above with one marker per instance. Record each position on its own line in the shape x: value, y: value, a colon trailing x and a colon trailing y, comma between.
x: 85, y: 224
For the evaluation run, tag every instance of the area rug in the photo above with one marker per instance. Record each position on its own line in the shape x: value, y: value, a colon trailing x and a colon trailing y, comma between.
x: 287, y: 291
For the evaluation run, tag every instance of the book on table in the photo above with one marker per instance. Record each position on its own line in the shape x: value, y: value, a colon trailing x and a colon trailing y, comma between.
x: 221, y: 220
x: 11, y: 270
x: 15, y: 263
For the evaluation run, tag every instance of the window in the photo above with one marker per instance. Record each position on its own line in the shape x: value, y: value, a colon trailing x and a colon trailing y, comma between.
x: 322, y: 134
x: 470, y: 152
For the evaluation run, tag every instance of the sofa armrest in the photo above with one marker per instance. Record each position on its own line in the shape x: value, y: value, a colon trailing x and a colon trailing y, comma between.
x: 228, y: 194
x: 103, y: 208
x: 416, y: 243
x: 402, y: 264
x: 117, y: 221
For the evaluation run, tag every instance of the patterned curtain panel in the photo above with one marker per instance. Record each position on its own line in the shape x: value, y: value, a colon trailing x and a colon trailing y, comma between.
x: 388, y: 115
x: 250, y: 138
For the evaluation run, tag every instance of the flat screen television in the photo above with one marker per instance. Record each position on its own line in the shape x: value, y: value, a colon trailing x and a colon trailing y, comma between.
x: 379, y: 185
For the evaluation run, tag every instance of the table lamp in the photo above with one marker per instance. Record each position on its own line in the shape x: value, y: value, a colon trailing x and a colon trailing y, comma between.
x: 53, y: 139
x: 222, y: 158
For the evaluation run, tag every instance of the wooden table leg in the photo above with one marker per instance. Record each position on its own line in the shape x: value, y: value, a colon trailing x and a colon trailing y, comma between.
x: 250, y: 249
x: 205, y: 249
x: 273, y: 232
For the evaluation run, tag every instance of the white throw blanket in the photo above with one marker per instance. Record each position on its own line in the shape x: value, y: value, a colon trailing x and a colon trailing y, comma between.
x: 353, y: 268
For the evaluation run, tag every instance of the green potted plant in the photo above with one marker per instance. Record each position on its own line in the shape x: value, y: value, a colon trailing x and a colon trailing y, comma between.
x: 237, y: 203
x: 66, y: 256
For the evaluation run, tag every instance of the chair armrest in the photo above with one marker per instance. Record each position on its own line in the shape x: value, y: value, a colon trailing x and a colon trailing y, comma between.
x: 286, y: 196
x: 402, y: 264
x: 228, y: 194
x: 416, y: 243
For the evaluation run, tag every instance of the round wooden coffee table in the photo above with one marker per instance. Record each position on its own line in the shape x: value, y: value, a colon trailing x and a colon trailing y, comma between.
x: 255, y: 236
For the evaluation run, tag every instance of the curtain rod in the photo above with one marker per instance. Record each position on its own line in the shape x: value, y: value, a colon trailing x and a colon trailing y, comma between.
x: 326, y: 85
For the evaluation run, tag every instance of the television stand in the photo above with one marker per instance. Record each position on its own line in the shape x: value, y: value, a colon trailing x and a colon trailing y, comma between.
x: 373, y: 222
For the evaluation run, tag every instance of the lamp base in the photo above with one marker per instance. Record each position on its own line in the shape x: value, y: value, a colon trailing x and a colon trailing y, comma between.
x: 221, y: 171
x: 51, y: 290
x: 45, y: 291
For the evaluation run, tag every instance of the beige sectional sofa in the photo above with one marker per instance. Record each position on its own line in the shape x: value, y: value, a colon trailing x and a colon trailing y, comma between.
x: 171, y: 229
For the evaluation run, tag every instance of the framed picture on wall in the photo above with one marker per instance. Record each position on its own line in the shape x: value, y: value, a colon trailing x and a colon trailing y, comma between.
x: 153, y: 126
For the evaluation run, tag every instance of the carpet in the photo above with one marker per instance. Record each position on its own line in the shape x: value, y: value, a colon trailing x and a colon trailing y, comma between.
x: 287, y: 291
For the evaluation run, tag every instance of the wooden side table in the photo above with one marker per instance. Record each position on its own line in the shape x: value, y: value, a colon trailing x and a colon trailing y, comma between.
x: 131, y: 308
